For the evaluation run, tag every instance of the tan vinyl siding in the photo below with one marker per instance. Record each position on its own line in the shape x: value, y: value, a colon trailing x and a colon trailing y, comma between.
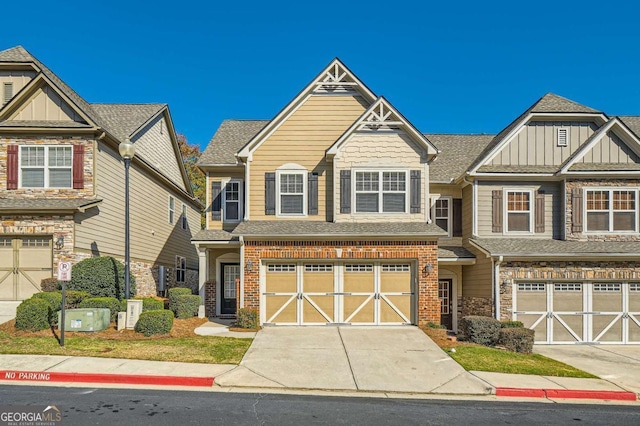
x: 467, y: 211
x: 303, y: 139
x: 437, y: 191
x: 478, y: 278
x: 378, y: 151
x: 610, y: 149
x: 552, y: 214
x: 223, y: 178
x: 153, y: 239
x: 46, y: 104
x: 536, y: 144
x: 154, y: 144
x: 17, y: 78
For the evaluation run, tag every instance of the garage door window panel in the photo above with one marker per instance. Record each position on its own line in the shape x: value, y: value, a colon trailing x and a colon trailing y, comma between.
x: 611, y: 210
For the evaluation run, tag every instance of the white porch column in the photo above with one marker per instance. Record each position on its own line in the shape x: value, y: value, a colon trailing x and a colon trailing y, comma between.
x: 203, y: 275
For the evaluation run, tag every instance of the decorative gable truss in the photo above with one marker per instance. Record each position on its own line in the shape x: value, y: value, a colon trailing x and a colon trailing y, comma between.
x: 337, y: 79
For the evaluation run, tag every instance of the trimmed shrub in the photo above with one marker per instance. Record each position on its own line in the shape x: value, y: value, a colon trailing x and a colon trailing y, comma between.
x: 152, y: 304
x: 174, y: 293
x: 50, y: 284
x: 73, y: 298
x: 511, y: 324
x: 100, y: 277
x: 33, y: 315
x: 186, y: 305
x: 111, y: 303
x: 481, y: 330
x: 247, y: 318
x: 517, y: 339
x: 54, y: 300
x: 154, y: 322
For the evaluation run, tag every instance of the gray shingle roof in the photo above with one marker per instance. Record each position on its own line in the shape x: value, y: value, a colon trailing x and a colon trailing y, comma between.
x: 632, y: 122
x: 585, y: 167
x: 518, y: 169
x: 124, y: 119
x: 454, y: 252
x: 43, y: 123
x: 530, y: 247
x: 230, y: 137
x: 457, y: 154
x: 39, y: 204
x: 214, y: 235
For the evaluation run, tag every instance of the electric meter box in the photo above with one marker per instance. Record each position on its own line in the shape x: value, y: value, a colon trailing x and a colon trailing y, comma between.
x: 134, y: 309
x: 86, y: 319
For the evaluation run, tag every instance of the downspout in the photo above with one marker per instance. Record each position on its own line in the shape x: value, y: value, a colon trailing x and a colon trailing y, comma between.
x: 496, y: 286
x: 241, y: 301
x: 474, y: 204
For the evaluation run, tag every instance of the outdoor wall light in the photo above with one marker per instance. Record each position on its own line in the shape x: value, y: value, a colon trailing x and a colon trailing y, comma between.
x: 60, y: 242
x: 503, y: 286
x: 428, y: 269
x: 249, y: 265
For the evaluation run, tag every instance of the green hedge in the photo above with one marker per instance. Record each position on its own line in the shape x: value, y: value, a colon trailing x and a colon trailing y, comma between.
x: 33, y: 315
x: 50, y: 284
x: 247, y: 318
x: 148, y: 304
x: 173, y: 295
x: 481, y: 330
x: 111, y: 303
x: 154, y: 322
x: 517, y: 339
x: 54, y: 300
x: 511, y: 324
x: 73, y: 298
x: 187, y: 305
x: 101, y: 277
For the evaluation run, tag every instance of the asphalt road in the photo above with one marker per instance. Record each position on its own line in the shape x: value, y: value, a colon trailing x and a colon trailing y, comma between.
x: 85, y: 406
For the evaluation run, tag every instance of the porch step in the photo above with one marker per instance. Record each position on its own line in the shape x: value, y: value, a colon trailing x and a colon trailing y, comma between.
x: 227, y: 316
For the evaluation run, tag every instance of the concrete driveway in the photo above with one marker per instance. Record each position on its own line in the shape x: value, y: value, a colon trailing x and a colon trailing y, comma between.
x: 391, y: 359
x: 8, y: 310
x: 615, y: 363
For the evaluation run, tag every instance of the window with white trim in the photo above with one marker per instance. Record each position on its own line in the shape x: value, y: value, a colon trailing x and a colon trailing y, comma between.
x: 46, y: 166
x: 291, y: 197
x: 531, y: 287
x: 607, y: 287
x: 611, y: 210
x: 172, y: 209
x: 373, y: 197
x: 358, y: 268
x: 563, y: 136
x: 441, y: 212
x: 281, y: 268
x: 183, y: 217
x: 318, y: 268
x: 634, y: 286
x: 395, y: 267
x: 567, y: 287
x: 519, y: 211
x: 181, y: 269
x: 232, y: 201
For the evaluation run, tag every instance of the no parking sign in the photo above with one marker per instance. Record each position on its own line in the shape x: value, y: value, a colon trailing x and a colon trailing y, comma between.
x: 64, y: 271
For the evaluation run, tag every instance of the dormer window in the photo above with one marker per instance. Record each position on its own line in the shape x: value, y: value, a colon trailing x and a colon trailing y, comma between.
x: 563, y: 136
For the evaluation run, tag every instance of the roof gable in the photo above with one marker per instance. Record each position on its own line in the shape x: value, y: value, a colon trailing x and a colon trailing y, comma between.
x: 334, y: 79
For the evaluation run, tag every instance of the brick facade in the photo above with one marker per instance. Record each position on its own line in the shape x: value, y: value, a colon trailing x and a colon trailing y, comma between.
x: 422, y: 252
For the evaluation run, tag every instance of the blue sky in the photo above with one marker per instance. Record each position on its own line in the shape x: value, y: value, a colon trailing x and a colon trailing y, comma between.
x: 449, y: 67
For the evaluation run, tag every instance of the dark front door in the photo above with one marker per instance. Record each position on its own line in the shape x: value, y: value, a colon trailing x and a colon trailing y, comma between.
x: 445, y: 293
x: 230, y: 273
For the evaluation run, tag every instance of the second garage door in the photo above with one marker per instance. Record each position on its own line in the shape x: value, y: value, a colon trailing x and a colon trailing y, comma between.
x: 344, y: 293
x: 24, y: 262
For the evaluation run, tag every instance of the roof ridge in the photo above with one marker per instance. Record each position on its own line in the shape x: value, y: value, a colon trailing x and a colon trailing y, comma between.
x: 128, y: 103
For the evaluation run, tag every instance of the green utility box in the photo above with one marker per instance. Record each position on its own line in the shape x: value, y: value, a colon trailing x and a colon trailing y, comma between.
x: 86, y: 319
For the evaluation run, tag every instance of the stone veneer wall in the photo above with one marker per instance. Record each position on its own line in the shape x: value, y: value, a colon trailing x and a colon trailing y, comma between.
x: 573, y: 184
x: 482, y: 306
x: 561, y: 271
x: 422, y: 251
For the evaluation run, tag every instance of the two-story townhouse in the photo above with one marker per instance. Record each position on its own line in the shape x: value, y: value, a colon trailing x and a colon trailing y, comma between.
x: 62, y: 183
x: 321, y: 215
x: 552, y: 219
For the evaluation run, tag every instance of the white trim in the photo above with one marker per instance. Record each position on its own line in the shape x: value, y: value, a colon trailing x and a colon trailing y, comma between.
x: 562, y: 136
x: 178, y: 268
x: 381, y: 192
x: 289, y: 170
x: 449, y: 199
x: 171, y: 212
x: 505, y: 207
x: 610, y: 209
x: 45, y: 167
x: 239, y: 201
x: 247, y: 189
x: 474, y: 213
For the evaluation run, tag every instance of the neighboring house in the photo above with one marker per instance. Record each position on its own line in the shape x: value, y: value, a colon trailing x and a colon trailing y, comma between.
x: 62, y: 183
x: 321, y: 215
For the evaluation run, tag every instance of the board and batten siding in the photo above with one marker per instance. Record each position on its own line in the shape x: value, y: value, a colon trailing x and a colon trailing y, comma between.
x: 154, y: 144
x: 610, y: 149
x: 552, y: 208
x: 223, y: 178
x: 467, y: 211
x: 46, y: 105
x: 303, y: 139
x: 18, y: 78
x: 536, y: 144
x: 379, y: 151
x: 478, y: 278
x: 153, y: 239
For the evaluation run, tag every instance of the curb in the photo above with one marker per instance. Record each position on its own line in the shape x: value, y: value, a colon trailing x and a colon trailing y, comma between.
x: 567, y: 393
x: 130, y: 379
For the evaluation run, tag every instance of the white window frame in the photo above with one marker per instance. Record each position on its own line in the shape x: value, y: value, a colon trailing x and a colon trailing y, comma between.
x: 381, y: 191
x: 449, y: 218
x: 564, y: 130
x: 181, y: 269
x: 505, y: 216
x: 239, y: 201
x: 611, y: 211
x: 171, y: 210
x: 183, y: 217
x: 304, y: 174
x: 45, y: 167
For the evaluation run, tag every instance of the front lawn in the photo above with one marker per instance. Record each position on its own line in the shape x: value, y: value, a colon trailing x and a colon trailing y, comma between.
x: 473, y: 357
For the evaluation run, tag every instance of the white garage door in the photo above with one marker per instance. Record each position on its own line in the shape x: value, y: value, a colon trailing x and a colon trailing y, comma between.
x: 338, y: 293
x: 24, y: 262
x: 580, y: 312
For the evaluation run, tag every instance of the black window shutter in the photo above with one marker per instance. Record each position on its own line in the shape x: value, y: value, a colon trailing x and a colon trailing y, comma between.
x: 270, y: 193
x: 496, y: 207
x: 216, y: 203
x: 457, y: 217
x: 345, y: 191
x: 415, y: 191
x: 312, y: 196
x: 539, y: 213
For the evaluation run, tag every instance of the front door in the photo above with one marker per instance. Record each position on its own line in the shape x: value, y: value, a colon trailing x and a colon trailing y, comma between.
x: 445, y: 291
x: 230, y: 273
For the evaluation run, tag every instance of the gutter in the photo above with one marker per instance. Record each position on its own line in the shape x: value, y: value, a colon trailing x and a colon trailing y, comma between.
x: 496, y: 286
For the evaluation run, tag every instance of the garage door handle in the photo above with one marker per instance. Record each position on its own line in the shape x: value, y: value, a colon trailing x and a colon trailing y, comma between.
x: 269, y: 294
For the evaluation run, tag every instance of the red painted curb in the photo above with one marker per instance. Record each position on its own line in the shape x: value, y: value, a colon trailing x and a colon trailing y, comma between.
x: 567, y: 393
x: 130, y: 379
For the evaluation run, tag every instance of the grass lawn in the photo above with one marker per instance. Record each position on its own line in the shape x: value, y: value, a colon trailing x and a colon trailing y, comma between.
x: 182, y: 345
x: 473, y: 357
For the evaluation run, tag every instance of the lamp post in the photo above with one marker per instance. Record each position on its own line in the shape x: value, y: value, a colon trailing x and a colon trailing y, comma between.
x: 127, y: 151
